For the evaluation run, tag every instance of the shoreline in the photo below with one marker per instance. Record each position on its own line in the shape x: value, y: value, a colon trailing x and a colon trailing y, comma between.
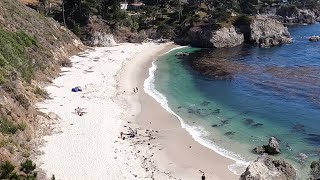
x: 160, y: 149
x: 175, y: 143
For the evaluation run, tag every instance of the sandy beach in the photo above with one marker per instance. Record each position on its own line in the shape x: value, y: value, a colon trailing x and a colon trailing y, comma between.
x: 113, y: 100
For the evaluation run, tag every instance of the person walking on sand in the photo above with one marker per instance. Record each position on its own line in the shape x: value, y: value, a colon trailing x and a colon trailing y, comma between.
x: 203, y: 177
x: 137, y: 89
x: 134, y: 90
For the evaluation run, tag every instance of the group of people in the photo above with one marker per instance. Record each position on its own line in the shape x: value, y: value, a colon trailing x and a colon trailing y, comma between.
x: 79, y: 111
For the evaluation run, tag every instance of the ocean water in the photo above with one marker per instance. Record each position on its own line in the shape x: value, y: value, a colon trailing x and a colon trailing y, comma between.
x: 272, y: 92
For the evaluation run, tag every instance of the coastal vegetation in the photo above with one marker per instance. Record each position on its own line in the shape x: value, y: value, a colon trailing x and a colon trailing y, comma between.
x: 34, y: 46
x: 168, y: 19
x: 32, y: 49
x: 25, y: 172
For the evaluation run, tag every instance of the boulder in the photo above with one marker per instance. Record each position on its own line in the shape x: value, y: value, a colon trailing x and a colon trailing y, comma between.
x: 272, y: 148
x: 267, y: 32
x: 314, y: 38
x: 259, y: 150
x: 266, y: 168
x: 214, y: 38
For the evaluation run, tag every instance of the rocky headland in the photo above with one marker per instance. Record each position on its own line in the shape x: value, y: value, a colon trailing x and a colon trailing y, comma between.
x: 262, y: 31
x: 294, y: 15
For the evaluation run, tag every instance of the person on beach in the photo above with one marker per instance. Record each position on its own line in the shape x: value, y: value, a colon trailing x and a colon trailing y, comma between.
x: 121, y: 134
x: 203, y: 177
x: 137, y: 89
x: 134, y: 90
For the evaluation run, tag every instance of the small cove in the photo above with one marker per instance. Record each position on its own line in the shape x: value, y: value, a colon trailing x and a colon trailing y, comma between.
x: 273, y: 92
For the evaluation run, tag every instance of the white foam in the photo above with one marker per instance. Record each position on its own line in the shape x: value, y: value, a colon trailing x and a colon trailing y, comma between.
x: 195, y: 132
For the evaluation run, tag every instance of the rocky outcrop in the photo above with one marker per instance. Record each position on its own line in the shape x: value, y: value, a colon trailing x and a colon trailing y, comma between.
x: 302, y: 16
x: 267, y: 32
x: 102, y: 39
x: 273, y: 147
x: 98, y: 33
x: 266, y: 168
x: 314, y: 38
x: 212, y: 38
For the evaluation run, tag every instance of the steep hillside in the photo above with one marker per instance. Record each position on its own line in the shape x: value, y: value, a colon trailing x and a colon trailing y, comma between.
x: 32, y: 49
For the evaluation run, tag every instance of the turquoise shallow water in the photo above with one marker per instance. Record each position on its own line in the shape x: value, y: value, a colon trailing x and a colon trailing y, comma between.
x: 276, y: 94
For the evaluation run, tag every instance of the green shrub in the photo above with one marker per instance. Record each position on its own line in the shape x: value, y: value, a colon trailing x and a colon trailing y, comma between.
x: 242, y: 20
x: 2, y: 79
x: 13, y: 52
x: 40, y: 91
x: 7, y: 126
x: 22, y: 126
x: 6, y: 171
x: 28, y: 167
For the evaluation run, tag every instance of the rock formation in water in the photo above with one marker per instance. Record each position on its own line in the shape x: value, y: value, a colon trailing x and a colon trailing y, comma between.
x: 267, y: 32
x: 266, y: 168
x: 314, y: 38
x: 271, y: 148
x: 214, y: 38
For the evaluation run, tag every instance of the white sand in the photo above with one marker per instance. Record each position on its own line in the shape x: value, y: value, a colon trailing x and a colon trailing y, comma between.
x: 89, y: 146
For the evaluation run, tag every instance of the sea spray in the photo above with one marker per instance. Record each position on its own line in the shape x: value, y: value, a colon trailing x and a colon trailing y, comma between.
x: 195, y: 132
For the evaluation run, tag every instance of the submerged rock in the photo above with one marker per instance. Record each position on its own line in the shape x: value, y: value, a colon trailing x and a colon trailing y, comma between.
x: 229, y: 133
x: 273, y: 147
x: 248, y: 121
x: 257, y: 125
x: 299, y: 128
x: 182, y: 54
x: 205, y: 103
x: 266, y: 168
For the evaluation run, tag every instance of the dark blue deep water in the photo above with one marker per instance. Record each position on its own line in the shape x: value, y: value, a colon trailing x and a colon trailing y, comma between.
x: 272, y: 92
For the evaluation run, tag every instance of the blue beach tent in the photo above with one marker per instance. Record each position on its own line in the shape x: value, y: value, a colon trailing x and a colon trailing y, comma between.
x: 76, y: 89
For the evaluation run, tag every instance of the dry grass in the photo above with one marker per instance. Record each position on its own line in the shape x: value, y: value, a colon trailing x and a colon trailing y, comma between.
x: 33, y: 2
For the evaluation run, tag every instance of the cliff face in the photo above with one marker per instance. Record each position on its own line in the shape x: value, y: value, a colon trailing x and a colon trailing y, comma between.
x: 267, y: 32
x: 32, y: 50
x: 224, y: 37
